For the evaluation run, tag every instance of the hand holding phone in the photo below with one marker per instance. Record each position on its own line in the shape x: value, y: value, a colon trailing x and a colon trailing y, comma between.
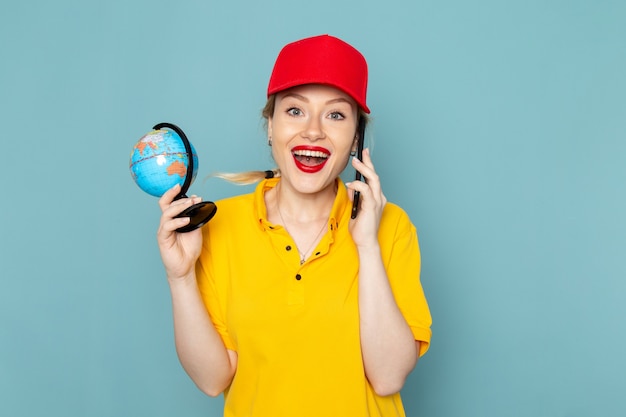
x: 359, y: 155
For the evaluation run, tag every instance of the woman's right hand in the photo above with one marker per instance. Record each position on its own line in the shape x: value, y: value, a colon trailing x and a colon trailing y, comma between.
x: 179, y: 251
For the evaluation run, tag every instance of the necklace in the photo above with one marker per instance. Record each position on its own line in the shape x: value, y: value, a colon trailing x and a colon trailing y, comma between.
x: 302, y: 255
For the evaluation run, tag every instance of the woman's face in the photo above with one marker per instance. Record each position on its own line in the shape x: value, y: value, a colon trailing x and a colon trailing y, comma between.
x: 313, y: 130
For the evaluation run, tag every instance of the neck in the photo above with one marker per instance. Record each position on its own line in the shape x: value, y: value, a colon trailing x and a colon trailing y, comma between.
x: 304, y: 216
x: 299, y: 207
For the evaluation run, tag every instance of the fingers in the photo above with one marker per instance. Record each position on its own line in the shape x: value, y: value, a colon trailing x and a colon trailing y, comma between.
x: 366, y: 168
x: 372, y: 198
x: 168, y: 204
x: 364, y: 228
x: 171, y: 208
x: 369, y: 198
x: 169, y: 225
x: 167, y: 198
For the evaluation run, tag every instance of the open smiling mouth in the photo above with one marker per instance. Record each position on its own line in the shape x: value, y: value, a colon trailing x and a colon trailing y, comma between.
x: 309, y: 160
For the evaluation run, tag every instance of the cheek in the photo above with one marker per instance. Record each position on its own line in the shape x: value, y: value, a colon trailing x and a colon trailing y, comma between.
x: 343, y: 156
x: 284, y: 131
x: 342, y: 162
x: 276, y: 154
x: 346, y: 140
x: 280, y: 149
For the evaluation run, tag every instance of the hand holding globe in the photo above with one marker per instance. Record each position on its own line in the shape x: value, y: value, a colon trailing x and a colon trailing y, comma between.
x: 163, y: 158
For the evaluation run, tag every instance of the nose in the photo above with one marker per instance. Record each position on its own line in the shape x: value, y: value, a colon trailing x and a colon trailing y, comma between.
x: 313, y: 130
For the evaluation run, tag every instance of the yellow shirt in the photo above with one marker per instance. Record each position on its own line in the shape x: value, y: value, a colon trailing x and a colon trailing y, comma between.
x: 295, y: 327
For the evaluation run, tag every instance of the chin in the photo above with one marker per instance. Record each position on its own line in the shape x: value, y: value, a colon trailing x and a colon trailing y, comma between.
x: 311, y: 183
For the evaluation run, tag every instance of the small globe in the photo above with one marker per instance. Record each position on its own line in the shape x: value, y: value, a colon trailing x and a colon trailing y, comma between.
x: 159, y: 161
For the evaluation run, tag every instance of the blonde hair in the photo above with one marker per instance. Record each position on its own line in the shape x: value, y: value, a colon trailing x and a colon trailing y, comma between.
x: 247, y: 177
x: 251, y: 177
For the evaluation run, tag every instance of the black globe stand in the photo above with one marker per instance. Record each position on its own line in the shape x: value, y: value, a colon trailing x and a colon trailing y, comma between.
x: 199, y: 213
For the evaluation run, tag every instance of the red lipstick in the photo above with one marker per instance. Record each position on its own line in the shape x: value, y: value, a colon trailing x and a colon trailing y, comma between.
x: 310, y: 159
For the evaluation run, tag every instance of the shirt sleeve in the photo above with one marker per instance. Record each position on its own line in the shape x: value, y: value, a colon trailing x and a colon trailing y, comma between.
x: 214, y: 293
x: 401, y: 255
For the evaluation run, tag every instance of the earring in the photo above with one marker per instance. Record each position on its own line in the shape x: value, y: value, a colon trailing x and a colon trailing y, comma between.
x: 353, y: 152
x: 269, y: 141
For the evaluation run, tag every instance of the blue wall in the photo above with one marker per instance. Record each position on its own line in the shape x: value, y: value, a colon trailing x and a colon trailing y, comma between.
x: 499, y: 126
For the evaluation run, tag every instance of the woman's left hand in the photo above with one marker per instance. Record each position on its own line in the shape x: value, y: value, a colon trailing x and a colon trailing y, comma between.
x: 364, y: 228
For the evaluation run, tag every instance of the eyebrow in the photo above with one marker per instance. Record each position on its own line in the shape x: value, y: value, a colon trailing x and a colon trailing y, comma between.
x: 306, y: 100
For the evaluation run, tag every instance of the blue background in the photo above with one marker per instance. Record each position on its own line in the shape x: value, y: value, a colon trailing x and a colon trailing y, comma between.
x: 500, y: 126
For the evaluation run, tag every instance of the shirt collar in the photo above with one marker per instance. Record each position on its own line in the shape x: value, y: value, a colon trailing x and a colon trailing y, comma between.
x: 339, y: 214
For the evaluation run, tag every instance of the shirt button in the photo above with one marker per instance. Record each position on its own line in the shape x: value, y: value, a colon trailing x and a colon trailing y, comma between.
x: 288, y: 247
x: 298, y: 277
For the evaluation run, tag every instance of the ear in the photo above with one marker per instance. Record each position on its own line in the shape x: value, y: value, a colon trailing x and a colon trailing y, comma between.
x: 269, y: 127
x: 355, y: 144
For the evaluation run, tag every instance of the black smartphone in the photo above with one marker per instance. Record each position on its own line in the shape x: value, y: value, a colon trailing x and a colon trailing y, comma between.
x: 359, y: 155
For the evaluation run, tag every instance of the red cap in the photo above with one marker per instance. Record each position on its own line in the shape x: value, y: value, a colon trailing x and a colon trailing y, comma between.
x: 324, y: 60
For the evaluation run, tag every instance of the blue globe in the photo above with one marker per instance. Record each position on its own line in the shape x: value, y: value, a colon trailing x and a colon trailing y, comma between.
x: 159, y: 161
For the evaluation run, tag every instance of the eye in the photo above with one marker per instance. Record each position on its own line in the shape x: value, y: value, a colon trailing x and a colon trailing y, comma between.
x: 294, y: 111
x: 337, y: 115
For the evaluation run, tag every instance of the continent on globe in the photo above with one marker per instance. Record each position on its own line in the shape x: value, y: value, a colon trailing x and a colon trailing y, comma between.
x: 177, y: 168
x: 159, y: 161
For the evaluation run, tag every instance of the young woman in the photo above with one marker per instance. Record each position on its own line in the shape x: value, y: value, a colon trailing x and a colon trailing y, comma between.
x: 282, y: 301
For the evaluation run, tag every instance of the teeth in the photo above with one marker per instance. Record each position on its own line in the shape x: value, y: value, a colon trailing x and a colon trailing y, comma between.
x: 311, y: 154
